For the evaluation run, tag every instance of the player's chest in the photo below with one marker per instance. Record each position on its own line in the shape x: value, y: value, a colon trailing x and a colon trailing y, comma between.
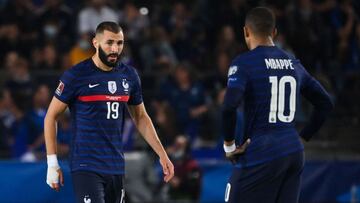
x: 117, y: 85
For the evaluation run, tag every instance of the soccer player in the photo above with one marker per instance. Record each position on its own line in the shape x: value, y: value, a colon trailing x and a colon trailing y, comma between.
x: 97, y: 92
x: 269, y: 81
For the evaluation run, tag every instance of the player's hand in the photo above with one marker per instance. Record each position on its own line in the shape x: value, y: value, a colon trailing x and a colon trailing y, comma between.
x: 54, y: 177
x: 240, y: 150
x: 168, y: 168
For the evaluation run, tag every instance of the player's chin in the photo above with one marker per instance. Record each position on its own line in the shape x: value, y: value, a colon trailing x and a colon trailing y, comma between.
x: 112, y: 61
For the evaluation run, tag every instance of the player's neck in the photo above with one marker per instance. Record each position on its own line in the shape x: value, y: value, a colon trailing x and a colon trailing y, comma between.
x: 261, y: 42
x: 99, y: 64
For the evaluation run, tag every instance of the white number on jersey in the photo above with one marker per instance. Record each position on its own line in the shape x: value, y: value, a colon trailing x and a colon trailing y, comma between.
x: 277, y: 104
x: 112, y: 110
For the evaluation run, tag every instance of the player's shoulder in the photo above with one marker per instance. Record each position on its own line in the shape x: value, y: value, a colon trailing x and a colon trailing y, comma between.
x: 128, y: 69
x: 240, y: 63
x: 248, y: 58
x: 79, y: 68
x: 242, y: 58
x: 288, y: 55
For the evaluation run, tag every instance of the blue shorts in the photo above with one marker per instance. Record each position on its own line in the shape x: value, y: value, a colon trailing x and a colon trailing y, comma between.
x: 94, y: 187
x: 276, y: 181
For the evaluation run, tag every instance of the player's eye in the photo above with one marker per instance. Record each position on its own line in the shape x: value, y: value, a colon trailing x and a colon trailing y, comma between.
x: 120, y: 42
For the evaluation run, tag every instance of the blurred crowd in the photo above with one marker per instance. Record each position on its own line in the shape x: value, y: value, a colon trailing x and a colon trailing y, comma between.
x: 182, y: 50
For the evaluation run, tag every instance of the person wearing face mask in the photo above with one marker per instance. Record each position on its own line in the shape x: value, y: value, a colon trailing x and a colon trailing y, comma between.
x: 82, y: 50
x: 98, y: 91
x: 50, y: 30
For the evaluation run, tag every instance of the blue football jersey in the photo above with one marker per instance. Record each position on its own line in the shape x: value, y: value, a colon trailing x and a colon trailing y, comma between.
x: 97, y: 101
x: 272, y: 82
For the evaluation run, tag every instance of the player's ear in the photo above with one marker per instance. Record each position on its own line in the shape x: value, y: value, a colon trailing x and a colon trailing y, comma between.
x: 95, y: 42
x: 246, y: 32
x: 274, y: 33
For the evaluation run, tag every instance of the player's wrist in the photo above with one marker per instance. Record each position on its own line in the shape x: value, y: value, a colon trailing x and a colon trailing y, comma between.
x: 229, y: 148
x: 164, y: 157
x: 52, y: 161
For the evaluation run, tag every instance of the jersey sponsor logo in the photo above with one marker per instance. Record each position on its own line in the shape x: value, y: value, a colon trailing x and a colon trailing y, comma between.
x: 232, y: 70
x: 112, y: 87
x: 60, y: 88
x: 125, y: 85
x: 93, y: 85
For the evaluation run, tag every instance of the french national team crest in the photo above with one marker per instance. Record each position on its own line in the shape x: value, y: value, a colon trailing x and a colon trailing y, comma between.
x: 112, y: 87
x: 125, y: 85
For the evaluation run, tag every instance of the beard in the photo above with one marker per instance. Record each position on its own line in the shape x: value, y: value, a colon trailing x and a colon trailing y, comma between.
x: 105, y: 58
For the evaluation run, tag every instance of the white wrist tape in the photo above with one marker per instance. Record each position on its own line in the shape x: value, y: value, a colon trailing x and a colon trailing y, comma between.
x: 52, y: 160
x: 230, y: 148
x: 52, y: 174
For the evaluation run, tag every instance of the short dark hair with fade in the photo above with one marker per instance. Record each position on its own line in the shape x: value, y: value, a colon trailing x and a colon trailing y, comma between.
x: 261, y: 21
x: 109, y: 26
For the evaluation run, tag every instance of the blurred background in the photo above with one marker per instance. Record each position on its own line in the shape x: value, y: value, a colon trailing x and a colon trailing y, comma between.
x: 182, y: 51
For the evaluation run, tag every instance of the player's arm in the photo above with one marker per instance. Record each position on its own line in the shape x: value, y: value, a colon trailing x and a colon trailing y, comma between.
x: 232, y: 99
x: 54, y: 173
x: 237, y: 80
x: 320, y: 99
x: 231, y: 102
x: 147, y: 130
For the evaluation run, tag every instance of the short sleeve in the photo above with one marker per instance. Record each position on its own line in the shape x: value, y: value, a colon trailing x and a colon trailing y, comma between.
x: 136, y: 92
x: 237, y: 76
x: 65, y: 91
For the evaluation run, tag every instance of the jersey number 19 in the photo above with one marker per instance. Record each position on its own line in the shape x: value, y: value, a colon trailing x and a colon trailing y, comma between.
x: 277, y: 103
x: 112, y: 110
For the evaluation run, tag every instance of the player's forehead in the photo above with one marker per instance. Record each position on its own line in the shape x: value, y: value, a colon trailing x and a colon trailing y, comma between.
x: 108, y: 35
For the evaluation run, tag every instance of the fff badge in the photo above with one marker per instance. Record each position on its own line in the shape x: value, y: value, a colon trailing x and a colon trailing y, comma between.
x: 112, y: 87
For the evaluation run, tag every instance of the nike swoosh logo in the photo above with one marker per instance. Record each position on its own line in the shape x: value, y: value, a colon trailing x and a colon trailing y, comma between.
x: 94, y: 85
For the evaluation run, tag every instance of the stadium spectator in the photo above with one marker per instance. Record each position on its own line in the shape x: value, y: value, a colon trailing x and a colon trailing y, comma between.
x: 64, y: 135
x: 82, y: 50
x: 49, y: 59
x: 186, y: 184
x: 187, y: 97
x: 135, y: 23
x: 156, y: 50
x: 20, y: 83
x: 35, y: 121
x: 227, y: 42
x: 141, y: 178
x: 165, y: 123
x: 94, y: 13
x: 56, y: 21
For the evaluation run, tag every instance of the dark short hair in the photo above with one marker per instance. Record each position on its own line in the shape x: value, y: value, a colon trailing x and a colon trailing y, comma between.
x: 261, y: 21
x: 109, y: 26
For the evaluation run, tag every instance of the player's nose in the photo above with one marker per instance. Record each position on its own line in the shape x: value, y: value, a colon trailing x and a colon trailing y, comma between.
x: 115, y: 48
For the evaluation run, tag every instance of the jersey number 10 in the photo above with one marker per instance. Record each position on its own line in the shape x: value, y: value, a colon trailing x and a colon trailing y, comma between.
x: 277, y: 104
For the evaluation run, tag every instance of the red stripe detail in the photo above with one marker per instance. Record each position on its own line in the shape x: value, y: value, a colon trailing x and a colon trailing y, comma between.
x: 103, y: 98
